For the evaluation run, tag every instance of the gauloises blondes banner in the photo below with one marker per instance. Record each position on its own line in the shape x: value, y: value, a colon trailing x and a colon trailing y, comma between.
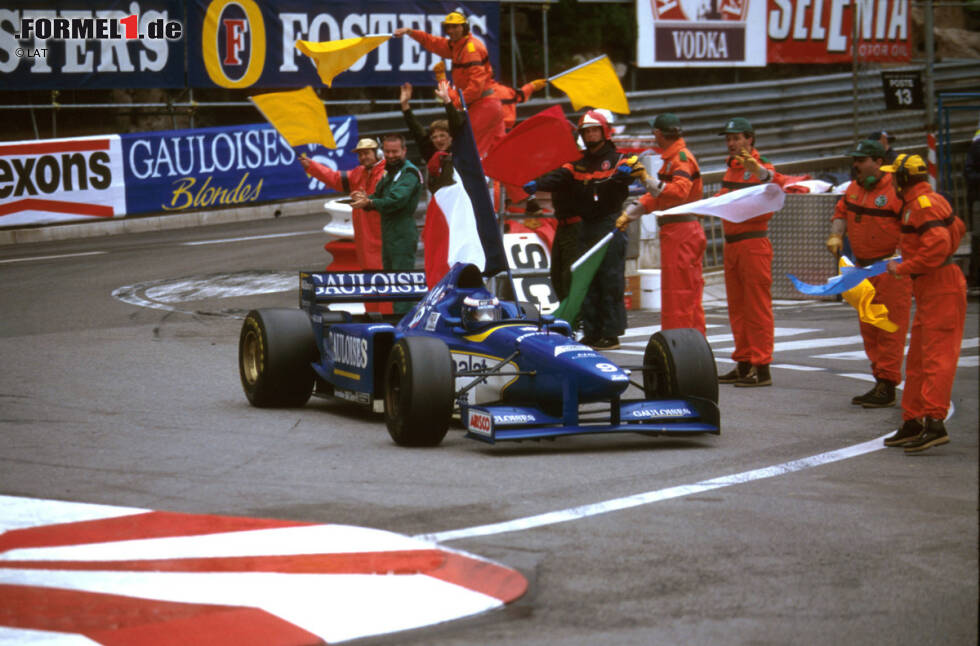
x: 723, y: 33
x: 169, y: 171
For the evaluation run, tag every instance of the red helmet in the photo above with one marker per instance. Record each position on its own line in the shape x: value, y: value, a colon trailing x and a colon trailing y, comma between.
x: 593, y: 119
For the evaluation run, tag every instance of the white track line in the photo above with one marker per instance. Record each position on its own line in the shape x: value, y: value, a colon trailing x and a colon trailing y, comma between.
x: 62, y: 255
x: 636, y: 500
x: 242, y: 239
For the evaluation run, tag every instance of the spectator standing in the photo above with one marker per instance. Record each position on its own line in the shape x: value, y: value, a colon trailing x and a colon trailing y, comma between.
x: 472, y: 75
x: 870, y: 213
x: 748, y: 263
x: 396, y: 198
x: 682, y: 240
x: 596, y: 187
x: 886, y: 139
x: 367, y: 225
x: 439, y: 135
x: 931, y: 232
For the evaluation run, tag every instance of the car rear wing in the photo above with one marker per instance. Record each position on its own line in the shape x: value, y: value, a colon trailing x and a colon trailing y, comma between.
x: 360, y: 286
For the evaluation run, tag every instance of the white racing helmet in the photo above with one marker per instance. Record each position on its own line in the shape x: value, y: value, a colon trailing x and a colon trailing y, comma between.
x: 477, y: 311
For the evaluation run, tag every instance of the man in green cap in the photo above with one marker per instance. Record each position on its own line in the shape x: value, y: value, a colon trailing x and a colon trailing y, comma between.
x: 395, y: 197
x: 682, y: 239
x: 748, y: 263
x: 870, y: 213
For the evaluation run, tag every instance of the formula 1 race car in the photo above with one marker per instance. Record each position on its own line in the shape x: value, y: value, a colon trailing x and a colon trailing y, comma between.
x: 509, y: 372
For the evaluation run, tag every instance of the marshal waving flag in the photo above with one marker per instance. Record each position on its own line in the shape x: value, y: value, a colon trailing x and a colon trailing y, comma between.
x: 593, y: 84
x: 460, y: 223
x: 335, y: 56
x: 537, y: 145
x: 298, y: 115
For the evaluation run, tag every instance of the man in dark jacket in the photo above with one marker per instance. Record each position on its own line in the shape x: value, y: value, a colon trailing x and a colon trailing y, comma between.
x: 594, y: 188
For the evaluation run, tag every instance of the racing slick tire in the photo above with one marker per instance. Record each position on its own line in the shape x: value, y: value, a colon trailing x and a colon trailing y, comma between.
x: 679, y: 363
x: 276, y: 348
x: 419, y: 390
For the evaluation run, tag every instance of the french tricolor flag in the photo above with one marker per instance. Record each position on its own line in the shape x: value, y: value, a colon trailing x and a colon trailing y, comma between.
x: 460, y: 223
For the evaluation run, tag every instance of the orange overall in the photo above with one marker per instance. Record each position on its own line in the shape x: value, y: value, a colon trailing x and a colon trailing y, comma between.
x: 367, y: 224
x: 930, y: 236
x: 748, y: 272
x: 873, y: 215
x: 473, y: 78
x: 682, y: 241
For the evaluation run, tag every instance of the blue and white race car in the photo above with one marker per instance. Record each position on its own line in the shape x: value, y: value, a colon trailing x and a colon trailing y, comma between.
x: 509, y: 372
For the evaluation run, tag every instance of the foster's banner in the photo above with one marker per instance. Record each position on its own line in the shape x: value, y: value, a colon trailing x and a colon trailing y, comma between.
x: 251, y: 43
x: 73, y: 44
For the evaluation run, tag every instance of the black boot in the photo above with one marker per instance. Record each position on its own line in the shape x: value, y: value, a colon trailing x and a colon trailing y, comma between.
x: 740, y: 370
x: 933, y: 435
x: 757, y: 376
x: 910, y: 431
x: 857, y: 400
x: 881, y: 396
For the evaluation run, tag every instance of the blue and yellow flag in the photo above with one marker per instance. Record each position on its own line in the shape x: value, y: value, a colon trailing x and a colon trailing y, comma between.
x: 860, y: 296
x: 298, y: 115
x: 593, y: 84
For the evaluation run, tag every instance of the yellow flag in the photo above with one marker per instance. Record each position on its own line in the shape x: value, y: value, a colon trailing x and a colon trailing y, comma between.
x: 860, y: 296
x: 335, y: 56
x: 593, y: 84
x: 298, y: 115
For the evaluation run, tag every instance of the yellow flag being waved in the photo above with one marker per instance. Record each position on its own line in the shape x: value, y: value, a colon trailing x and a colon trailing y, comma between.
x: 298, y: 115
x: 335, y: 56
x: 593, y: 84
x: 860, y: 296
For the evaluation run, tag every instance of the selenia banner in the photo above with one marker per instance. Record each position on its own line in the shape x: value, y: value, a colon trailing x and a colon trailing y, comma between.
x: 251, y: 43
x: 820, y: 31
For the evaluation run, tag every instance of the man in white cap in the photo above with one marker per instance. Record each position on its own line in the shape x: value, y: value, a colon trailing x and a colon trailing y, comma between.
x: 367, y: 224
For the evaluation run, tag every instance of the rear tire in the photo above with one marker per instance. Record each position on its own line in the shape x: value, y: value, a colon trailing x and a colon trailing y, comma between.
x: 419, y: 390
x: 679, y: 364
x: 276, y: 350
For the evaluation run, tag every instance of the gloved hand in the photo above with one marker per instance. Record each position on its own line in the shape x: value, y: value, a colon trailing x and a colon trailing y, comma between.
x: 654, y: 186
x: 623, y: 221
x: 531, y: 187
x: 835, y: 244
x: 532, y: 207
x: 439, y: 69
x: 538, y: 84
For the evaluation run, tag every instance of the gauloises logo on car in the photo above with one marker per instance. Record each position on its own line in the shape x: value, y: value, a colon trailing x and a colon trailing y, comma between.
x: 695, y: 30
x: 233, y: 43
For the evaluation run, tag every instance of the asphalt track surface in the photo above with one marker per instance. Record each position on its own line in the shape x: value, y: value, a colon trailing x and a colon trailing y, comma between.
x: 790, y: 527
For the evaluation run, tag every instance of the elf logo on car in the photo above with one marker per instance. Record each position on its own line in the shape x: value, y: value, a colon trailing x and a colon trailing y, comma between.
x: 348, y: 350
x: 480, y: 422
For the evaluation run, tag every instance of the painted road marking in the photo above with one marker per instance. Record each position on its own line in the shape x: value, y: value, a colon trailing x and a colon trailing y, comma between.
x: 246, y: 238
x: 135, y: 577
x: 636, y: 500
x: 62, y: 255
